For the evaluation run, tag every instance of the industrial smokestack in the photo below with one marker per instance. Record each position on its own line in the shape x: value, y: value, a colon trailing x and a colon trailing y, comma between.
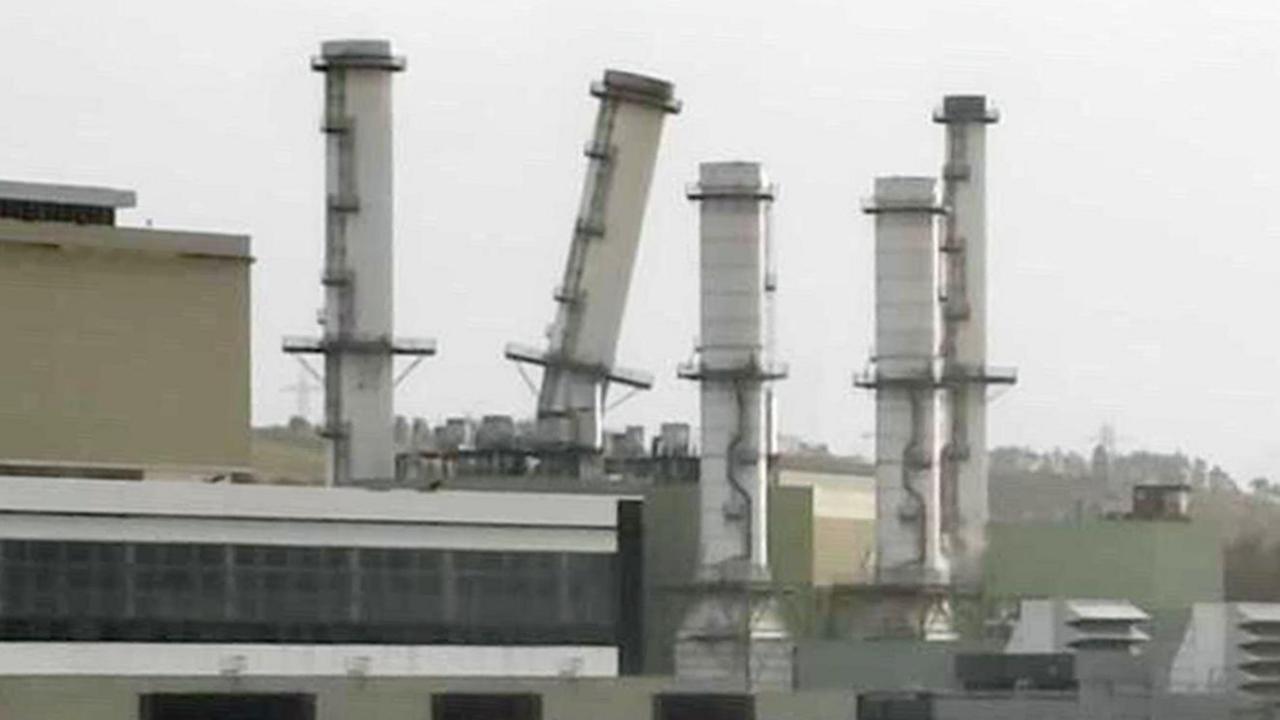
x: 908, y: 550
x: 734, y: 636
x: 579, y: 361
x: 357, y: 341
x: 963, y: 345
x: 735, y: 363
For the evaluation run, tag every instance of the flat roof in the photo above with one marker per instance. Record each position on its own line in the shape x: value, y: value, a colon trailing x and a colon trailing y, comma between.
x: 307, y: 663
x: 1259, y: 613
x: 113, y: 237
x: 22, y: 495
x: 67, y: 194
x: 833, y: 464
x: 1089, y: 610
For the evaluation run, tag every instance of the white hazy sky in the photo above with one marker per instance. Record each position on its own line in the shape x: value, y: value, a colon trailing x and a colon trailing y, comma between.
x: 1133, y: 222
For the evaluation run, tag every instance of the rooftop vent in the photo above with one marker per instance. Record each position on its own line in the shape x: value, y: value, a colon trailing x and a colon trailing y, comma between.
x: 1075, y: 625
x: 1161, y: 502
x: 1232, y: 647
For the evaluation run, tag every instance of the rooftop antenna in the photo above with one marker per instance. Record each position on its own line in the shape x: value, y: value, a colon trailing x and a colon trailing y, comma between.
x: 302, y: 390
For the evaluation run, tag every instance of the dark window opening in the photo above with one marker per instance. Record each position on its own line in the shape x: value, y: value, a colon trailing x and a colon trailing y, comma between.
x: 227, y: 707
x: 704, y: 706
x: 176, y: 592
x: 38, y: 211
x: 895, y: 706
x: 630, y: 587
x: 484, y: 706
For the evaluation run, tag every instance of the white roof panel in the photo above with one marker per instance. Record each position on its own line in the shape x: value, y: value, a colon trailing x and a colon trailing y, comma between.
x: 1128, y: 635
x: 273, y: 502
x: 67, y: 194
x: 1251, y: 612
x: 1105, y: 611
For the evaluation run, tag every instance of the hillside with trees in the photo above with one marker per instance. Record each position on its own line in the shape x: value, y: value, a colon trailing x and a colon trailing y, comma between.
x: 1062, y: 485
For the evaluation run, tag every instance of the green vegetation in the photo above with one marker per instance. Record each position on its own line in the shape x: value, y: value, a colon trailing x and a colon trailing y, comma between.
x: 1156, y: 565
x: 1235, y: 531
x: 288, y: 455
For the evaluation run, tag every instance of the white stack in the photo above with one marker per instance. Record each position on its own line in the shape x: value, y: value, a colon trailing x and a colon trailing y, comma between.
x: 735, y: 363
x: 963, y: 348
x: 930, y: 376
x: 357, y: 341
x: 732, y: 635
x: 908, y: 548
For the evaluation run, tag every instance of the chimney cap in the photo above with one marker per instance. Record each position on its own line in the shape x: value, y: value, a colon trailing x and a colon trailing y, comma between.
x: 966, y: 109
x: 364, y: 53
x: 904, y: 194
x: 637, y: 88
x: 732, y: 179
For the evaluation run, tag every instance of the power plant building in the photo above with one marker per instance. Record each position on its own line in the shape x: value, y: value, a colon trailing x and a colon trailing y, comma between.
x: 163, y: 579
x: 126, y: 350
x: 551, y: 567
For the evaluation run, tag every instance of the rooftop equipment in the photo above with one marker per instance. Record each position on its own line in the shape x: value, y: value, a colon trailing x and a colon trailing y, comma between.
x: 1161, y: 501
x: 579, y: 360
x: 1232, y: 647
x: 1076, y: 625
x: 357, y: 342
x: 673, y: 440
x: 496, y: 432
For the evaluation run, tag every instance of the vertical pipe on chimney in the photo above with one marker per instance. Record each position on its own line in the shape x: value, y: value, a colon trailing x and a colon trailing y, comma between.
x: 908, y: 548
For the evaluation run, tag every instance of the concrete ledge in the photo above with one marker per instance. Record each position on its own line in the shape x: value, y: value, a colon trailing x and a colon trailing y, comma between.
x: 107, y: 237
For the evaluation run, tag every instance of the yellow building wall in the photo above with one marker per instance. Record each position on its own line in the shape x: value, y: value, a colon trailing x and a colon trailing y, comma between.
x: 844, y: 551
x: 844, y: 528
x: 119, y: 351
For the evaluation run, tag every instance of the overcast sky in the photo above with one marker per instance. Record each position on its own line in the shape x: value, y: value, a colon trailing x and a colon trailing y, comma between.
x: 1133, y: 218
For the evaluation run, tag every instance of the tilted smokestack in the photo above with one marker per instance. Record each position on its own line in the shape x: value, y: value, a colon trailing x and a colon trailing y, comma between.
x: 591, y: 300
